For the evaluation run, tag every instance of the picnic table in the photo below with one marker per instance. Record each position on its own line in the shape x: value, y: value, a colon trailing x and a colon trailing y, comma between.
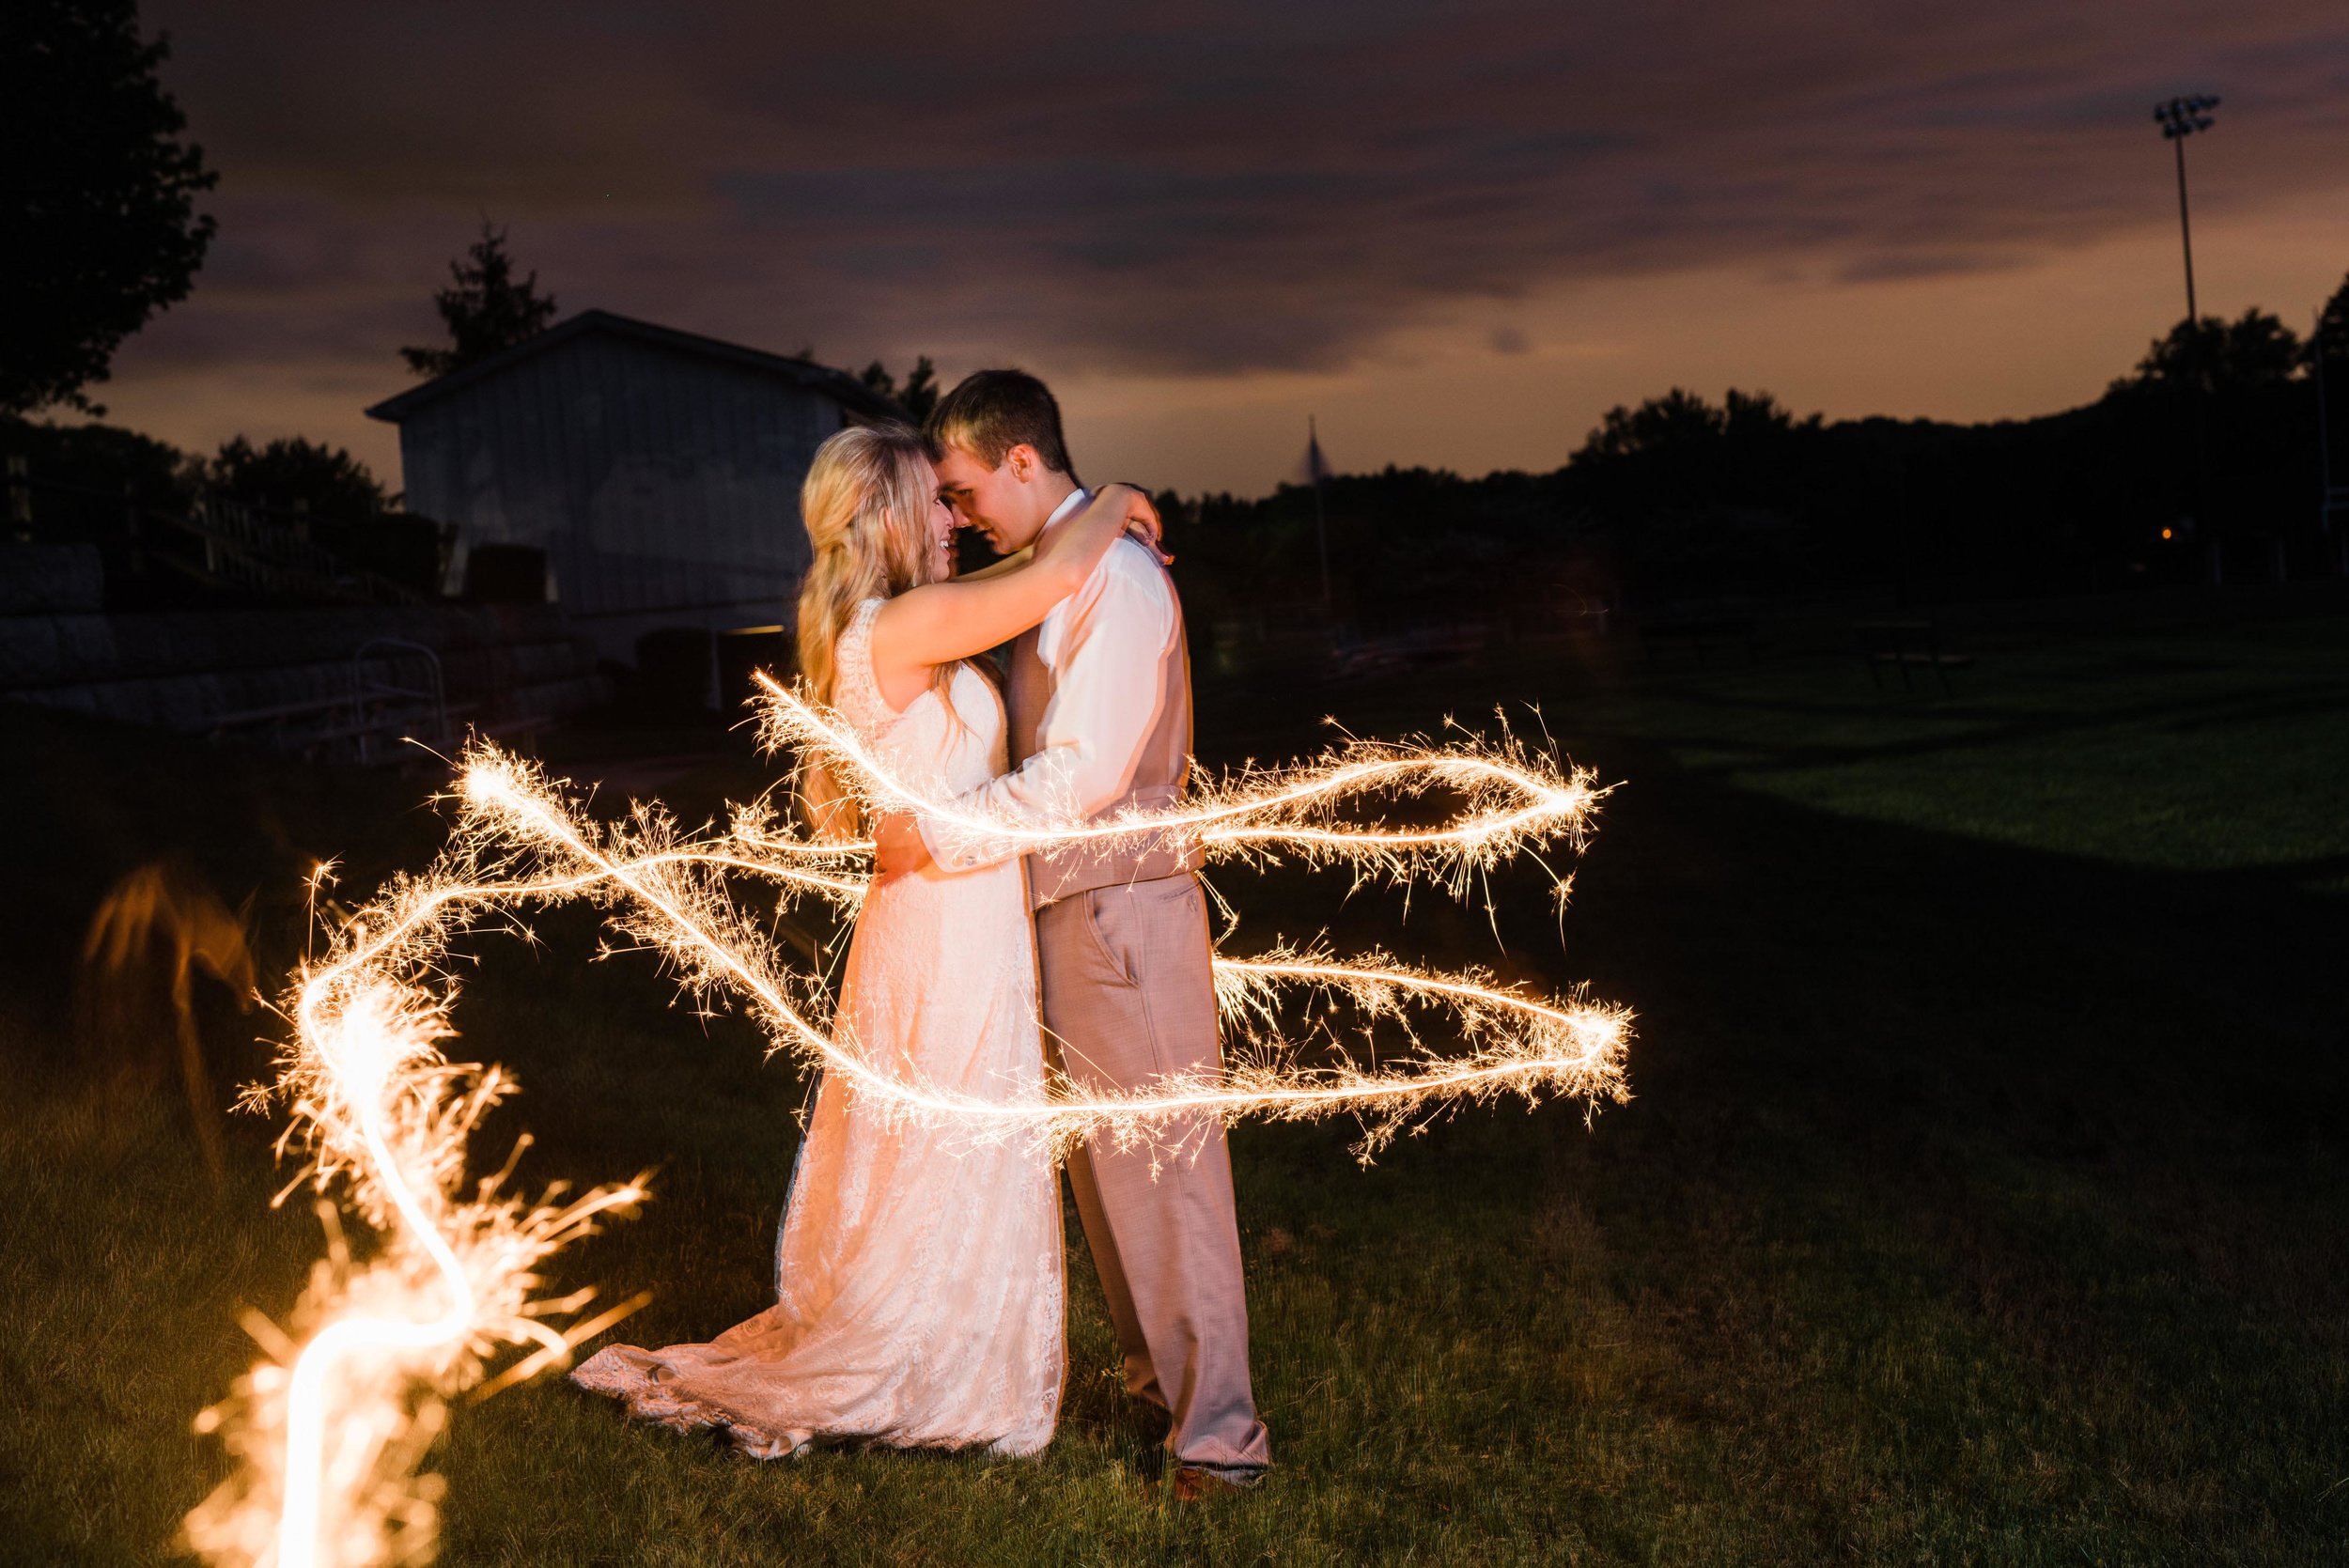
x: 1906, y: 645
x: 1700, y: 633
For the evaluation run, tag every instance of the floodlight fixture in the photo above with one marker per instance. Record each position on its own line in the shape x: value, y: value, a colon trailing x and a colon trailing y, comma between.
x: 2183, y: 116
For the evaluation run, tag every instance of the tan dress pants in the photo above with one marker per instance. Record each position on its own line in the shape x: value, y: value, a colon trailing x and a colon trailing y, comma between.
x: 1128, y: 994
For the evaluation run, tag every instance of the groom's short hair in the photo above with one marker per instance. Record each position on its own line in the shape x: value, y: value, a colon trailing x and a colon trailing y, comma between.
x: 990, y: 411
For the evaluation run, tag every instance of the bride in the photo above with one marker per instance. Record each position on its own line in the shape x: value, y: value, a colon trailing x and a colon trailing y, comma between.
x: 919, y: 1295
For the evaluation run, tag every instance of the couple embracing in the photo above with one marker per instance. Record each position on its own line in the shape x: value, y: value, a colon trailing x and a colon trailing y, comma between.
x: 919, y: 1280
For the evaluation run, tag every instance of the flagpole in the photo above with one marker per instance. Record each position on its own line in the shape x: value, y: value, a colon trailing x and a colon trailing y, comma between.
x: 1321, y: 529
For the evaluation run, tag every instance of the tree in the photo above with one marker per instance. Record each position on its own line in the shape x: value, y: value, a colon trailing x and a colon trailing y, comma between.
x: 918, y: 397
x: 2219, y: 356
x: 486, y: 310
x: 1677, y: 421
x: 331, y: 484
x: 1679, y: 454
x: 98, y: 225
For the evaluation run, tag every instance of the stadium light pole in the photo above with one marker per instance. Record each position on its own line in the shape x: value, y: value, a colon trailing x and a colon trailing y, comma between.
x: 2323, y: 428
x: 2336, y: 496
x: 2179, y: 118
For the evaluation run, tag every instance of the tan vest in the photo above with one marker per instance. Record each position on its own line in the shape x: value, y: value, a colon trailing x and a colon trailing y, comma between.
x: 1160, y: 773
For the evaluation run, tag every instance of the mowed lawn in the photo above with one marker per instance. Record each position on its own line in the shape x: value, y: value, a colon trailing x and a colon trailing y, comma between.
x: 1982, y: 1200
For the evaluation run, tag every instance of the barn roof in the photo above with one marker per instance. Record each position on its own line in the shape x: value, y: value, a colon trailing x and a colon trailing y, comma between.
x: 836, y: 384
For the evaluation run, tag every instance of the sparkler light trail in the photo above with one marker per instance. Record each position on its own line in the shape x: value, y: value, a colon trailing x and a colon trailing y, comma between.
x: 330, y: 1430
x: 1511, y: 801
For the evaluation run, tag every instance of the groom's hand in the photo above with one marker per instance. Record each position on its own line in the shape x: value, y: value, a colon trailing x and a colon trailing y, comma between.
x: 897, y: 846
x: 1142, y: 520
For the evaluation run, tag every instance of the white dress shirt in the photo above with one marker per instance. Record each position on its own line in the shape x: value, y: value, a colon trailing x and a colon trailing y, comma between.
x: 1105, y: 644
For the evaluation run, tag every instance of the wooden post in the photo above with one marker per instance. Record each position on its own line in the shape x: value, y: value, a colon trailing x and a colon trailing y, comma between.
x: 1321, y: 529
x: 20, y: 499
x: 2323, y: 429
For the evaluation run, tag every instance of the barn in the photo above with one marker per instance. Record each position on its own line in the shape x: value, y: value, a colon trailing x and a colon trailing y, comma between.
x: 659, y: 472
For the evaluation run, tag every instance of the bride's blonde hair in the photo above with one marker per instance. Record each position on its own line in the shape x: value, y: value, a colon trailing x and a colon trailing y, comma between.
x: 866, y: 505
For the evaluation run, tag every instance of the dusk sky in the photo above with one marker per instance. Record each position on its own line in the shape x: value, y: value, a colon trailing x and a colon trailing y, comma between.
x: 1457, y: 234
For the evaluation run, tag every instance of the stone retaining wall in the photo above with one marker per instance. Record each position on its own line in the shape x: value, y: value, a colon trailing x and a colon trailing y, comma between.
x: 201, y: 670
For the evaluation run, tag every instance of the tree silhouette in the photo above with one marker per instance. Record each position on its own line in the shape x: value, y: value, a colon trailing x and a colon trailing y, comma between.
x: 918, y: 397
x: 98, y: 227
x: 1677, y: 421
x: 1679, y: 453
x: 487, y: 311
x: 331, y: 482
x: 2254, y: 351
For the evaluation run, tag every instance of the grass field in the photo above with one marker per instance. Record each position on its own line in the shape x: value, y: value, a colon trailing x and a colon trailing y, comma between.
x: 1982, y: 1201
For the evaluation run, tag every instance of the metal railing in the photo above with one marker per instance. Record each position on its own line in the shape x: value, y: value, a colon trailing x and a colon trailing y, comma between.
x: 237, y: 546
x: 381, y: 710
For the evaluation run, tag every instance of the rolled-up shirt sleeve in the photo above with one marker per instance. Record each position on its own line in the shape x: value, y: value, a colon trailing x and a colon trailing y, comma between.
x: 1108, y: 681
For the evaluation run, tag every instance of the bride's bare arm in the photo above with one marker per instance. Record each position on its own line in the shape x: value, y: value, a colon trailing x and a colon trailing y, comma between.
x: 1013, y: 562
x: 940, y: 622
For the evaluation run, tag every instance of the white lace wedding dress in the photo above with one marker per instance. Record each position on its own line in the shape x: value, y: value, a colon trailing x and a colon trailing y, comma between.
x: 918, y: 1274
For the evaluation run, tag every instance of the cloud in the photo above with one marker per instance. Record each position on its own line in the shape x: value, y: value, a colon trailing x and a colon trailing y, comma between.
x: 1910, y: 266
x: 1192, y: 191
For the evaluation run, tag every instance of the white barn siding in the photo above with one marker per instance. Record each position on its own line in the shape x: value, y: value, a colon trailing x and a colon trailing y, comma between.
x: 663, y: 485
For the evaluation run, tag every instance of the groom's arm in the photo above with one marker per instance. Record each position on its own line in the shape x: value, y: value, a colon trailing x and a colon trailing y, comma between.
x: 1107, y: 684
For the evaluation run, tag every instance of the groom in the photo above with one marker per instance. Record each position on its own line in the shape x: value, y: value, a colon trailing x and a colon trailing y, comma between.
x: 1099, y: 706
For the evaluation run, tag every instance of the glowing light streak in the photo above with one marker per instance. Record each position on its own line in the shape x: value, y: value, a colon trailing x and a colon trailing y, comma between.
x: 329, y: 1432
x: 1511, y: 802
x: 1070, y: 1114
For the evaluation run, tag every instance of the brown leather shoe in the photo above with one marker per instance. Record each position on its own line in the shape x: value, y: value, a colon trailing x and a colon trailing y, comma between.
x: 1195, y: 1484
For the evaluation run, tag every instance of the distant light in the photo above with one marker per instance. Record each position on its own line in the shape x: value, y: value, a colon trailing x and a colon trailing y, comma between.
x: 2165, y: 532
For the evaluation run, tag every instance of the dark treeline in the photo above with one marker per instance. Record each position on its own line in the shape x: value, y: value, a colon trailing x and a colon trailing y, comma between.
x: 2213, y: 437
x: 121, y: 490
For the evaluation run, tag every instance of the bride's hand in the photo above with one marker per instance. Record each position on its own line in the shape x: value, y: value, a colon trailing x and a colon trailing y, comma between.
x: 898, y: 848
x: 1142, y: 521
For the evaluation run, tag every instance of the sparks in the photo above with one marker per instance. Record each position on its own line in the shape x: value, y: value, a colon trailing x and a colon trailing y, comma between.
x: 1512, y: 802
x: 330, y: 1431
